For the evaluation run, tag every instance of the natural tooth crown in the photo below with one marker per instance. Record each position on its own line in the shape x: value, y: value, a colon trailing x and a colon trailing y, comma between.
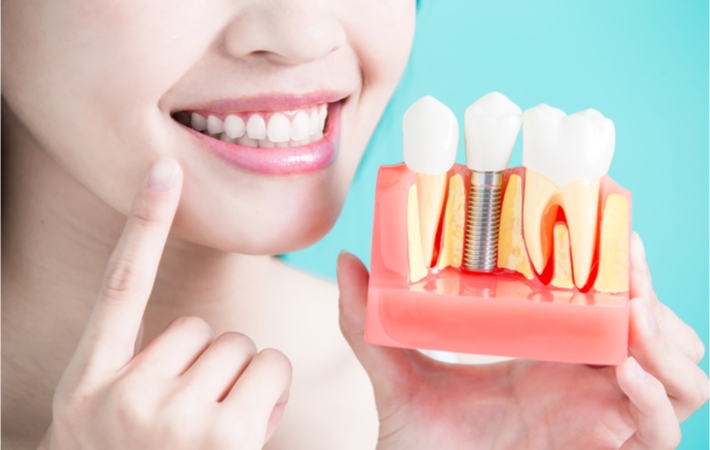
x: 256, y: 127
x: 234, y: 126
x: 431, y: 135
x: 300, y: 126
x: 198, y: 122
x: 214, y: 125
x: 567, y: 148
x: 565, y: 157
x: 279, y: 128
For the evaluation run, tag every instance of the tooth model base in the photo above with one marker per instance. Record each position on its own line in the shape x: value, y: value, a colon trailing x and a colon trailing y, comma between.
x: 482, y: 225
x: 502, y: 313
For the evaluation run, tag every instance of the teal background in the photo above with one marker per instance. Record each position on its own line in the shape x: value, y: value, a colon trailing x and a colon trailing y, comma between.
x: 644, y: 64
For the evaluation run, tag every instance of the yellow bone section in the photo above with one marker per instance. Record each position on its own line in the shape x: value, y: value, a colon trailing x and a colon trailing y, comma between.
x: 417, y: 269
x: 562, y: 273
x: 432, y: 189
x: 451, y: 252
x: 579, y: 200
x: 613, y: 275
x: 511, y: 246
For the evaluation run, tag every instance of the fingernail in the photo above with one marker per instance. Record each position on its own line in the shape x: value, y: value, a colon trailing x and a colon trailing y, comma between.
x: 163, y: 174
x: 649, y: 316
x: 337, y: 262
x: 640, y: 373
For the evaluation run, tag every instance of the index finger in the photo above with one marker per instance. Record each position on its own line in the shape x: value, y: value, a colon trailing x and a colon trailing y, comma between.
x: 110, y: 335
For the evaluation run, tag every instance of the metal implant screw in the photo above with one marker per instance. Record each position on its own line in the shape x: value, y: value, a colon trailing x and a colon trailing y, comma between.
x: 483, y: 221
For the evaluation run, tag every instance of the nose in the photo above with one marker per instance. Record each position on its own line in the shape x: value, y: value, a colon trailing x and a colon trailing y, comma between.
x: 285, y: 31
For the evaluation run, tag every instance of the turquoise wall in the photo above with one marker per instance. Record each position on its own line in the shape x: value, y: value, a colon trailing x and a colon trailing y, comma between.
x: 644, y: 64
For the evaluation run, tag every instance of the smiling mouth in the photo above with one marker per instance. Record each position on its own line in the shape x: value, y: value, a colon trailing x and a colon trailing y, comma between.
x: 264, y: 129
x: 298, y: 140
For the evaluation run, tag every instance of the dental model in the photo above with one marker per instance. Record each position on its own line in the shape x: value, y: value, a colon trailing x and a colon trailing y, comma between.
x: 430, y: 137
x: 492, y: 124
x: 558, y: 288
x: 565, y: 158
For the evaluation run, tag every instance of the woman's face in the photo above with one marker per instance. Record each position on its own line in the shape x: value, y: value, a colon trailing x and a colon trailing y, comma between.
x: 108, y: 86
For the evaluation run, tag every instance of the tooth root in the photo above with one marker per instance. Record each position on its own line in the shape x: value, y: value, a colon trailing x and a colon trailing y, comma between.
x: 581, y: 205
x: 198, y: 122
x: 417, y: 269
x: 300, y: 126
x: 214, y: 125
x: 234, y: 126
x: 279, y: 128
x: 432, y: 190
x: 539, y: 216
x: 562, y: 272
x: 256, y: 127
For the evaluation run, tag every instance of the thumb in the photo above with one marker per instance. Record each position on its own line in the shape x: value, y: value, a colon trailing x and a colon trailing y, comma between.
x: 385, y: 366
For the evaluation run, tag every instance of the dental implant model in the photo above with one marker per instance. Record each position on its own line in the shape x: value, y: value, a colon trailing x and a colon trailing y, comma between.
x: 491, y: 127
x: 529, y: 262
x: 430, y: 138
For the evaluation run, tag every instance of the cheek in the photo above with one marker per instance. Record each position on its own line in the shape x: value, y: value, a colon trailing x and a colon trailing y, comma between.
x: 85, y: 77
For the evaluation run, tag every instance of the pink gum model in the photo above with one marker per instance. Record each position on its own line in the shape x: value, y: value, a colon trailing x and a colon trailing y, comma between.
x: 500, y: 313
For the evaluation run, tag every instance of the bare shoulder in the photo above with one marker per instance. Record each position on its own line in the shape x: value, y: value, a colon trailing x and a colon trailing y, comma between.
x: 332, y: 403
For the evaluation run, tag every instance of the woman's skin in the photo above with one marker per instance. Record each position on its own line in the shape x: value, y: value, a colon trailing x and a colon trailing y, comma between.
x: 88, y: 92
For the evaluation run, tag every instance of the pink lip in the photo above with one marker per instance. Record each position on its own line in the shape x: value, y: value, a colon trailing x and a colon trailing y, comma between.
x: 277, y: 160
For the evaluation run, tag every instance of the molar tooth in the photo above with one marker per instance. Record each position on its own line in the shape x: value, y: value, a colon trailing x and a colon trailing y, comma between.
x: 247, y: 141
x: 279, y: 129
x: 256, y: 127
x: 198, y: 122
x: 313, y: 125
x: 565, y: 158
x: 300, y: 126
x: 265, y: 143
x: 214, y: 125
x: 234, y: 126
x: 322, y: 114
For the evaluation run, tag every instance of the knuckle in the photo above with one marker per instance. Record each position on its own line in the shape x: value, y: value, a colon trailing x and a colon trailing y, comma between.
x: 194, y: 326
x: 132, y: 405
x: 238, y: 342
x: 121, y: 276
x: 275, y: 361
x: 145, y: 214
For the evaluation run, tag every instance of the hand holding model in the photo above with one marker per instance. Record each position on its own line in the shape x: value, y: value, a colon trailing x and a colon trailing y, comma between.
x: 638, y: 404
x: 185, y: 390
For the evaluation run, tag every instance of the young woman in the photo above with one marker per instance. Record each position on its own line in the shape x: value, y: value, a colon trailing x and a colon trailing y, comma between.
x: 103, y: 102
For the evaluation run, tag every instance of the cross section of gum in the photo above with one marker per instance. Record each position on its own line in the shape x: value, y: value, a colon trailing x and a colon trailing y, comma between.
x: 512, y: 311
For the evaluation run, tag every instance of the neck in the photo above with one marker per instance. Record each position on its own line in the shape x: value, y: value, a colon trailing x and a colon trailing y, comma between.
x: 58, y: 236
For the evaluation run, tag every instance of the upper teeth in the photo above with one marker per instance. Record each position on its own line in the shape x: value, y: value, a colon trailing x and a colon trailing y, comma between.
x: 565, y: 157
x: 284, y: 129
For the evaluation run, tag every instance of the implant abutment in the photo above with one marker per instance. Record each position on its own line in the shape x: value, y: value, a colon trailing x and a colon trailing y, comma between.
x: 483, y: 221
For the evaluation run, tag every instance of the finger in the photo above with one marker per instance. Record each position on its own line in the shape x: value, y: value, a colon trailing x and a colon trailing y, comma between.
x: 657, y: 427
x: 174, y: 350
x: 677, y: 331
x: 385, y: 366
x: 212, y: 376
x: 265, y: 383
x: 113, y: 326
x: 683, y: 380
